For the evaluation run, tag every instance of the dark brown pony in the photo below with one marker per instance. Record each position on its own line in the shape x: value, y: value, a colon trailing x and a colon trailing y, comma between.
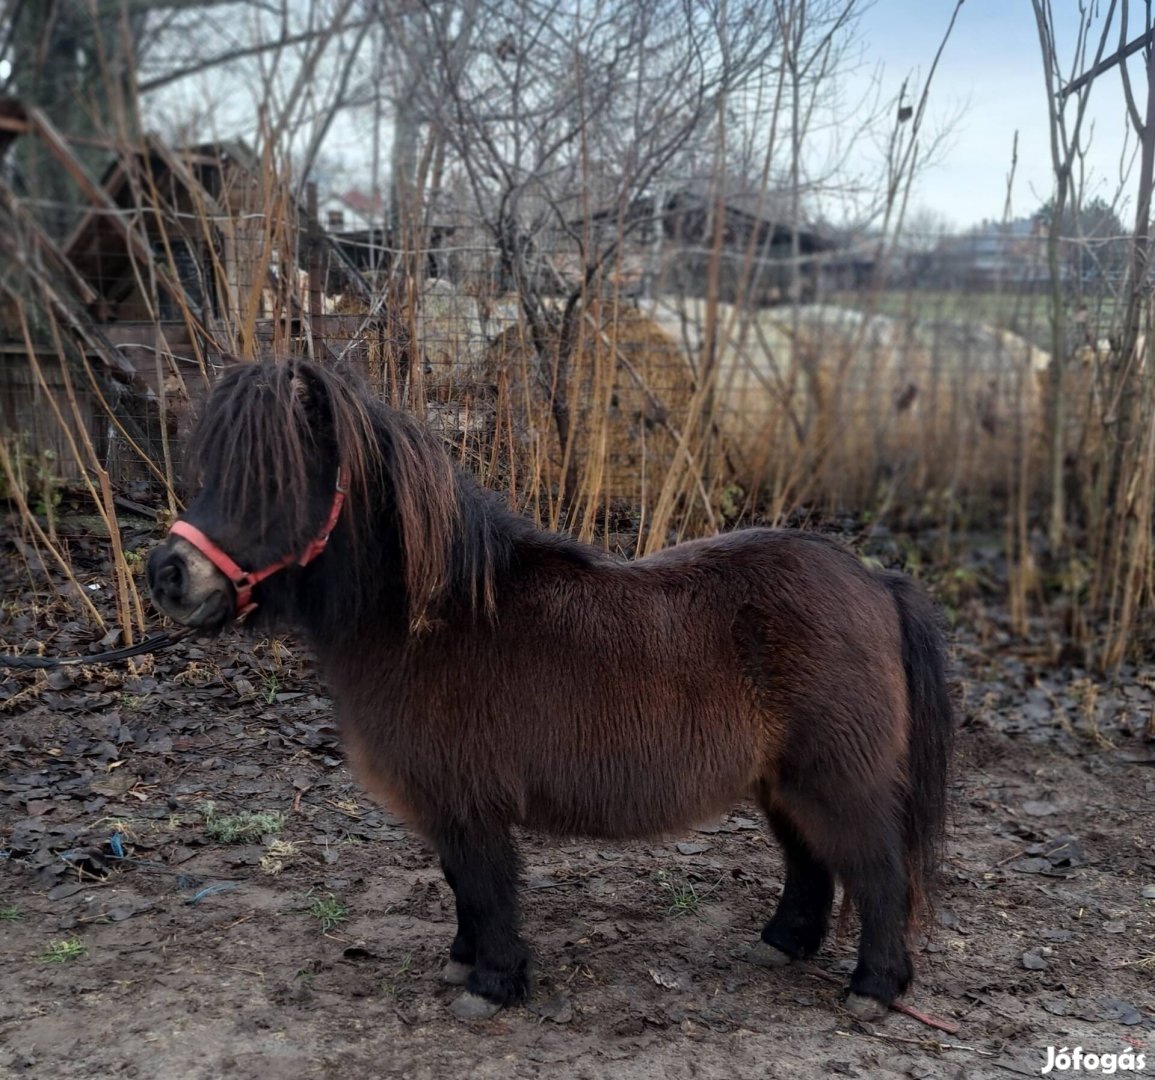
x: 488, y: 674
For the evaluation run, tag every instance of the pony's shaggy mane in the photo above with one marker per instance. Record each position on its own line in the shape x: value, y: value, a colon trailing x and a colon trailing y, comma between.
x: 265, y: 427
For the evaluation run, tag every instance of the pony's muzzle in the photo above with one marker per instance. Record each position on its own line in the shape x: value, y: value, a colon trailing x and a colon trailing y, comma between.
x: 187, y: 588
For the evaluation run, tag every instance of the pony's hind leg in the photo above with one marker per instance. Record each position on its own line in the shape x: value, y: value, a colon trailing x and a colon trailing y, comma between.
x: 862, y: 843
x: 799, y: 924
x: 463, y: 951
x: 856, y: 839
x: 482, y: 867
x: 877, y: 882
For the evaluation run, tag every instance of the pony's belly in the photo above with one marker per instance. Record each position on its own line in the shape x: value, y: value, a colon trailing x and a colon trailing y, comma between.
x: 617, y: 802
x: 375, y: 781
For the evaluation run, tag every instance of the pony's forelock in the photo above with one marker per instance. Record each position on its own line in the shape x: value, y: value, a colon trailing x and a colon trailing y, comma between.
x: 261, y: 430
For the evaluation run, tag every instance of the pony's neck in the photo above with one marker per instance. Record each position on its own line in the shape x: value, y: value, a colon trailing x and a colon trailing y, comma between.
x: 366, y: 583
x: 469, y: 545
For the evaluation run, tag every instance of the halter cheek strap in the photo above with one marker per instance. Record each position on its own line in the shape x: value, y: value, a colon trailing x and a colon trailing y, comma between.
x: 244, y: 581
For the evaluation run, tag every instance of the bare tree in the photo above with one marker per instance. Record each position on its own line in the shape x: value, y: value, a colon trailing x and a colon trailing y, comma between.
x: 570, y: 125
x: 1067, y: 113
x: 83, y: 63
x: 1114, y: 467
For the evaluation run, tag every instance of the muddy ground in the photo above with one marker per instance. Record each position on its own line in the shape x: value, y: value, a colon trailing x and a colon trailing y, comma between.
x: 142, y: 939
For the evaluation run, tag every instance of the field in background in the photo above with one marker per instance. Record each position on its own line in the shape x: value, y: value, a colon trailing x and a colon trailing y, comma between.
x: 1025, y: 312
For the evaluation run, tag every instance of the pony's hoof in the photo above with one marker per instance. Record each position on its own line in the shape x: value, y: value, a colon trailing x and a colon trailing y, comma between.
x: 471, y: 1006
x: 767, y: 956
x: 865, y: 1008
x: 455, y: 973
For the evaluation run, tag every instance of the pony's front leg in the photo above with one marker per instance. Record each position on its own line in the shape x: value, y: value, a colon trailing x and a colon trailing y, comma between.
x: 482, y: 868
x: 463, y: 951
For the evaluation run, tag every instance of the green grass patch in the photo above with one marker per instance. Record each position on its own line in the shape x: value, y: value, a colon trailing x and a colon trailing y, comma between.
x: 245, y: 827
x: 65, y: 951
x: 686, y: 898
x: 392, y: 986
x: 270, y: 688
x: 329, y: 912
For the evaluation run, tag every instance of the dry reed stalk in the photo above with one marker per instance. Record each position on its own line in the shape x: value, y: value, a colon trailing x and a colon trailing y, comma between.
x: 593, y: 474
x: 125, y: 588
x: 160, y: 351
x: 682, y: 479
x: 1134, y: 572
x: 259, y: 260
x: 1020, y: 563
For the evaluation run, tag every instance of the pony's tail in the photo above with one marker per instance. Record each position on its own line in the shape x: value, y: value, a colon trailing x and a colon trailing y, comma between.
x: 929, y: 740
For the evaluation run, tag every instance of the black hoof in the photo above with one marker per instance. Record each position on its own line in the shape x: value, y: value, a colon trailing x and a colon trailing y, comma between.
x: 503, y: 987
x: 873, y: 991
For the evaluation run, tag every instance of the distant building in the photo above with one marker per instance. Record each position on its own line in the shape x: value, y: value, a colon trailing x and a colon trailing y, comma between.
x: 352, y: 210
x: 668, y: 244
x: 992, y: 255
x: 357, y: 222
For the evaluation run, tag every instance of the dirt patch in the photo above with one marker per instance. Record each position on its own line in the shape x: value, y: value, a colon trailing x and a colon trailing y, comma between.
x: 139, y: 942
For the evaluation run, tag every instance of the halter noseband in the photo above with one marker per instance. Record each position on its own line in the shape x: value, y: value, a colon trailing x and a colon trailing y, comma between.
x: 244, y: 581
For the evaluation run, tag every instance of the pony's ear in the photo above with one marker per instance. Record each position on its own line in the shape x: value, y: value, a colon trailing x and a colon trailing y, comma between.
x: 301, y: 385
x: 310, y: 390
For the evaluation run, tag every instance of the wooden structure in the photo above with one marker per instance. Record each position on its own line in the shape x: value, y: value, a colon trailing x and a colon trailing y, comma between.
x: 182, y: 258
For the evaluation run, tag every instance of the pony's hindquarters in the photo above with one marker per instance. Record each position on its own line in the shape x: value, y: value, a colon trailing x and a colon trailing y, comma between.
x: 857, y: 790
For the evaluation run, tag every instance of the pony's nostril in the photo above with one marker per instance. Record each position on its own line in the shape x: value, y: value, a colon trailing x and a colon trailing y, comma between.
x: 171, y: 577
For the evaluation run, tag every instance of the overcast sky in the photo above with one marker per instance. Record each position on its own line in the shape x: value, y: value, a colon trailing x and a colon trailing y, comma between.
x: 993, y: 72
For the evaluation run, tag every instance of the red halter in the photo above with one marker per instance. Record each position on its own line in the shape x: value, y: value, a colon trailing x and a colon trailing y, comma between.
x: 244, y: 581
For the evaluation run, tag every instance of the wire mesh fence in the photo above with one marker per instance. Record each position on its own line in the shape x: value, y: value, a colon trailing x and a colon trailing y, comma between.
x: 855, y: 383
